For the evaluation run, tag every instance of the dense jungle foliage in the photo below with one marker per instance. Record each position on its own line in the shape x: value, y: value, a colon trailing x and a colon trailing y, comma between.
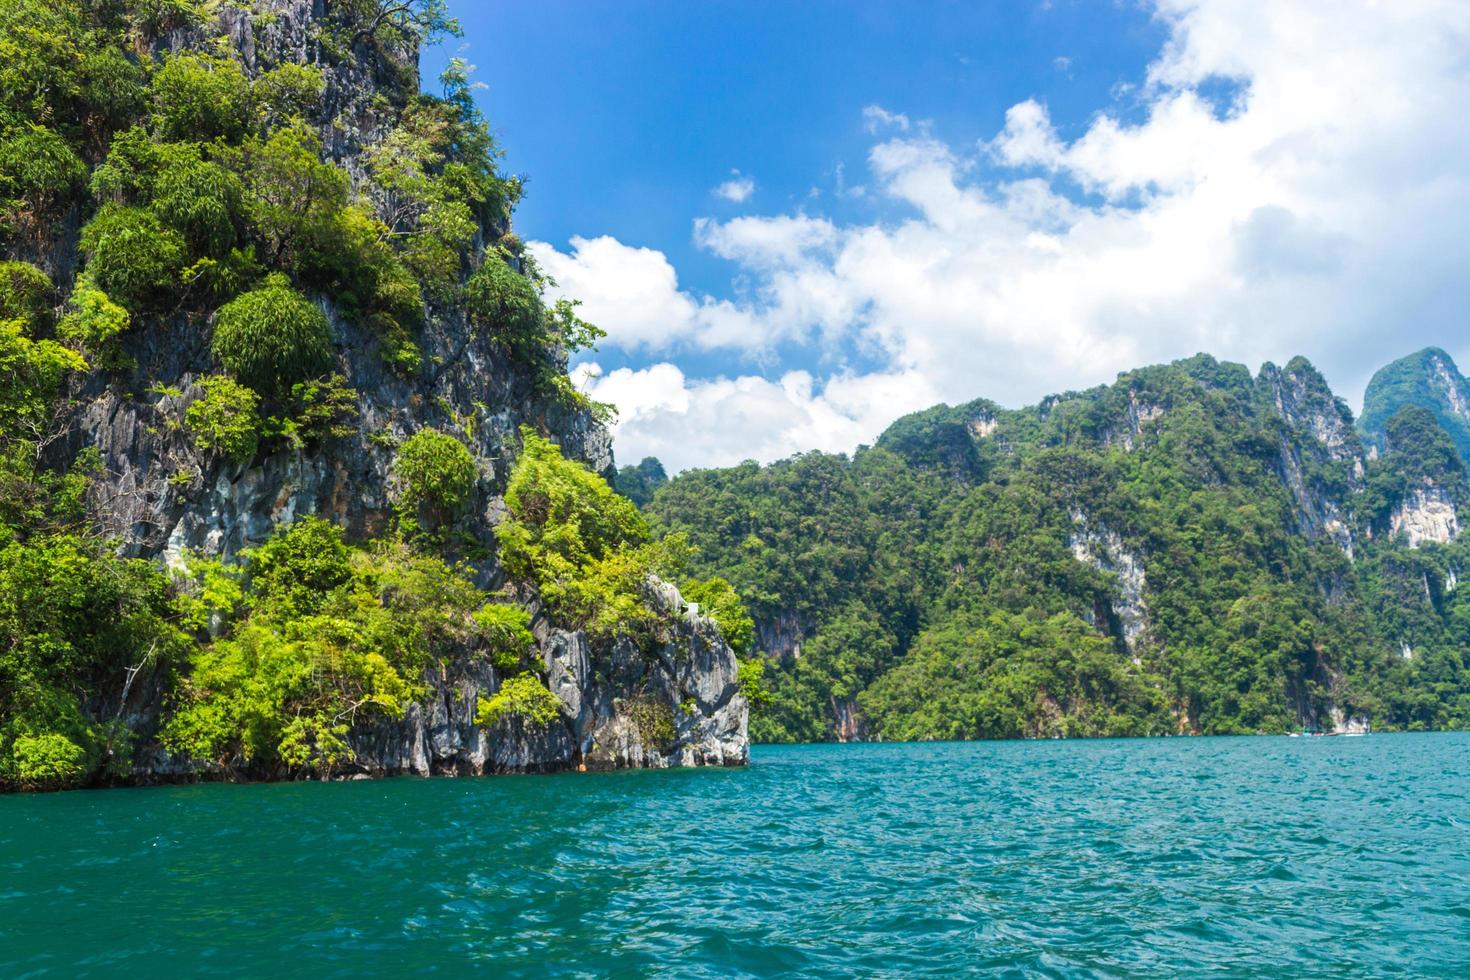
x: 146, y: 183
x: 965, y: 577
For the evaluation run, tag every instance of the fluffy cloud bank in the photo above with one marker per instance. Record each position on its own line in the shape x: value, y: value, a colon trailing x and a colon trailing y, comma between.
x: 722, y: 421
x: 1318, y: 209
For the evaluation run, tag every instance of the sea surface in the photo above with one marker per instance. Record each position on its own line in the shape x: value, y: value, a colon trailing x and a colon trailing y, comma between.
x: 1218, y: 857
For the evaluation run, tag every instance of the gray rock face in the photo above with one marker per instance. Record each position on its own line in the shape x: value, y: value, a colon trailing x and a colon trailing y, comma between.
x: 781, y: 637
x: 1426, y: 515
x: 1105, y: 551
x: 677, y: 704
x: 1317, y: 435
x: 1134, y: 427
x: 163, y: 497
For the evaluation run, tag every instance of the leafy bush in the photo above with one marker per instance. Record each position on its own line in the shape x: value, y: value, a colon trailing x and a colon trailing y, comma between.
x: 41, y: 44
x: 750, y: 676
x: 718, y: 600
x: 128, y: 173
x: 507, y: 632
x: 287, y: 91
x: 445, y: 230
x: 31, y: 372
x: 273, y: 337
x: 523, y: 697
x: 201, y: 98
x: 93, y: 321
x: 563, y: 510
x: 294, y: 197
x: 294, y: 573
x: 25, y: 292
x: 498, y: 297
x: 351, y: 258
x: 315, y: 412
x: 38, y: 170
x: 75, y: 618
x: 224, y: 418
x: 132, y: 256
x: 113, y: 87
x: 435, y: 470
x: 48, y: 760
x: 191, y: 193
x: 328, y: 633
x: 584, y: 547
x: 200, y: 199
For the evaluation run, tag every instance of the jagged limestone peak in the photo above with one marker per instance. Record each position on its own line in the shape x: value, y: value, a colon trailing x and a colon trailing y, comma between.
x: 1429, y: 379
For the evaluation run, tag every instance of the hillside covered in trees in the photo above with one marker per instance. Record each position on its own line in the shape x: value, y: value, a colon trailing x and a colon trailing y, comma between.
x: 293, y: 481
x: 1191, y: 549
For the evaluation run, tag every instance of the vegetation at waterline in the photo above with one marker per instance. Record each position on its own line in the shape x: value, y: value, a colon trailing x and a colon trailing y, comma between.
x: 271, y: 660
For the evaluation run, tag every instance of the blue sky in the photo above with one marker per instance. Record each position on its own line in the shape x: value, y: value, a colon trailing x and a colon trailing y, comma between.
x: 799, y: 220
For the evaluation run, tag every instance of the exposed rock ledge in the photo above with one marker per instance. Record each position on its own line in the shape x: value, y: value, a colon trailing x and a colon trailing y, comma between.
x: 1104, y: 550
x: 678, y: 704
x: 1427, y: 515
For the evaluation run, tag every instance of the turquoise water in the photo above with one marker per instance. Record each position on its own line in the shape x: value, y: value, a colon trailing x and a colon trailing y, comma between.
x: 1236, y: 857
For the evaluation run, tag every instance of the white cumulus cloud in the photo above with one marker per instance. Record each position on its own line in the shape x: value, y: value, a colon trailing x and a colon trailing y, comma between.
x: 633, y: 293
x: 722, y: 421
x: 875, y: 117
x: 1316, y: 207
x: 737, y: 188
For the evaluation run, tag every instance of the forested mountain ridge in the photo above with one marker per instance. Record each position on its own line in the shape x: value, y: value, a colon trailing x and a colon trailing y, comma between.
x: 293, y: 482
x: 1191, y: 549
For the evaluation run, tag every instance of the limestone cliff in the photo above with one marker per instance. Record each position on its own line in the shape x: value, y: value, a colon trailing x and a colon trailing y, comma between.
x: 162, y: 497
x: 1102, y: 548
x: 1321, y: 459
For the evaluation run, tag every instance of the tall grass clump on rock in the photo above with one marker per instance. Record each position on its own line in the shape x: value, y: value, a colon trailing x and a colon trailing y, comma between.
x: 435, y: 471
x: 273, y: 337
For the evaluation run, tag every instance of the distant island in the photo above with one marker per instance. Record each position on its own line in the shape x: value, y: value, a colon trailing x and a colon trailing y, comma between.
x: 1190, y: 550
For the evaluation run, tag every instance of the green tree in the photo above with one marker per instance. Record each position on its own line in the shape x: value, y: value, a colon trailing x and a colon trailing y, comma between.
x: 39, y: 171
x: 586, y: 549
x: 201, y: 98
x: 522, y: 697
x: 224, y: 418
x: 435, y: 471
x: 323, y: 634
x: 74, y: 619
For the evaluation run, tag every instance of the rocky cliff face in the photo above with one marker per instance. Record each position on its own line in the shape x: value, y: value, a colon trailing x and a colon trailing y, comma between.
x: 678, y: 706
x: 1321, y: 458
x: 1101, y: 548
x: 1134, y: 426
x: 163, y: 498
x: 1426, y: 514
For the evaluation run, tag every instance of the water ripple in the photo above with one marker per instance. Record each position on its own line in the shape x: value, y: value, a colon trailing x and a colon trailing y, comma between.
x: 1231, y: 857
